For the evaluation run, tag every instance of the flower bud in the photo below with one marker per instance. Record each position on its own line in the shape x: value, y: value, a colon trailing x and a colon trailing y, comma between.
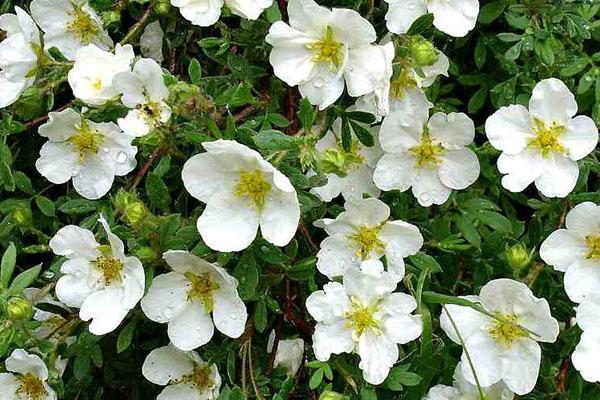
x: 18, y: 309
x: 145, y: 253
x: 331, y: 395
x: 111, y: 17
x: 518, y: 257
x: 423, y: 52
x: 161, y: 7
x: 22, y: 216
x: 135, y: 212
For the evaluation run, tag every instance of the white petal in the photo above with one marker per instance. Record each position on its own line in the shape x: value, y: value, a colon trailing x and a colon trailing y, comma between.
x: 336, y: 255
x: 61, y: 125
x: 22, y: 362
x: 588, y: 312
x: 248, y: 9
x: 191, y: 328
x: 228, y: 223
x: 79, y: 281
x: 581, y: 279
x: 94, y: 179
x: 151, y: 41
x: 552, y: 101
x: 72, y: 240
x: 454, y: 131
x: 229, y: 312
x: 485, y: 354
x: 558, y: 178
x: 370, y: 212
x: 359, y: 182
x: 166, y: 298
x: 428, y: 188
x: 106, y: 310
x: 509, y: 129
x: 561, y: 249
x: 328, y: 305
x: 332, y: 338
x: 402, y: 13
x: 377, y: 356
x: 323, y: 88
x: 308, y: 16
x: 203, y: 175
x: 365, y: 67
x: 11, y: 90
x: 581, y: 137
x: 467, y: 320
x: 395, y: 171
x: 401, y: 131
x: 183, y: 261
x: 202, y: 12
x: 351, y: 28
x: 58, y: 162
x: 401, y: 240
x: 585, y: 356
x: 459, y: 168
x: 523, y: 366
x: 151, y: 75
x: 135, y: 123
x: 584, y: 219
x: 10, y: 384
x: 279, y: 217
x: 370, y: 282
x: 290, y: 57
x: 454, y: 17
x: 181, y: 391
x: 521, y: 169
x: 166, y: 364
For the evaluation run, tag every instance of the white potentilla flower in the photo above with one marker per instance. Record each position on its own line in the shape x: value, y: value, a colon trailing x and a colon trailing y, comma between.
x: 144, y: 91
x: 364, y: 232
x: 443, y: 392
x: 242, y: 191
x: 431, y: 157
x: 576, y: 251
x: 289, y: 355
x: 18, y: 58
x: 207, y: 12
x: 586, y: 354
x: 50, y: 322
x: 502, y: 342
x: 453, y: 17
x: 356, y: 166
x: 26, y: 378
x: 151, y: 41
x: 90, y: 153
x: 91, y: 77
x: 98, y: 279
x: 544, y: 143
x: 363, y: 315
x: 69, y: 25
x: 186, y: 297
x: 323, y: 50
x: 184, y: 373
x: 425, y: 75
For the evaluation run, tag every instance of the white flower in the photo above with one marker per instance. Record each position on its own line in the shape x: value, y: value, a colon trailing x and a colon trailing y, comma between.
x: 29, y: 380
x: 289, y: 355
x: 464, y: 390
x: 323, y: 50
x: 431, y: 157
x: 90, y: 153
x: 91, y: 77
x: 358, y: 167
x: 453, y: 17
x: 362, y: 315
x: 242, y: 191
x: 186, y: 297
x: 364, y: 232
x: 50, y: 322
x: 151, y: 41
x: 207, y: 12
x: 502, y: 342
x: 586, y: 354
x: 185, y: 375
x: 144, y: 91
x: 99, y: 279
x: 576, y: 251
x: 69, y: 25
x: 18, y: 58
x: 542, y: 145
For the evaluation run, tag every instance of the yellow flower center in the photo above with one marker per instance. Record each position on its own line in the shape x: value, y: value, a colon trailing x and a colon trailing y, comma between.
x: 327, y: 49
x: 361, y: 318
x: 593, y: 243
x: 546, y: 138
x: 110, y: 267
x: 82, y: 26
x: 201, y: 288
x: 87, y: 141
x: 427, y: 152
x: 399, y: 85
x: 505, y: 330
x: 201, y: 377
x: 97, y: 84
x: 31, y: 387
x: 367, y: 240
x: 254, y: 187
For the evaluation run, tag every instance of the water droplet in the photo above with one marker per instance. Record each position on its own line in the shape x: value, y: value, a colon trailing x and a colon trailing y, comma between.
x: 264, y: 249
x: 121, y: 157
x: 105, y: 150
x: 233, y: 316
x: 411, y: 6
x: 168, y: 313
x: 318, y: 83
x: 48, y: 274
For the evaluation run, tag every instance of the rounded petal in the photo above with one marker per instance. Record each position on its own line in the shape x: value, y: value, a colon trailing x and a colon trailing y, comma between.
x: 78, y: 282
x: 377, y: 356
x: 459, y: 168
x: 61, y: 125
x: 308, y: 16
x: 401, y: 131
x: 351, y: 28
x: 11, y: 89
x: 582, y: 279
x: 581, y: 137
x: 552, y: 101
x: 332, y: 338
x: 247, y: 9
x: 401, y: 240
x: 588, y: 312
x: 135, y: 123
x: 10, y: 384
x: 584, y: 219
x: 290, y: 57
x: 191, y: 328
x: 72, y: 240
x: 336, y: 255
x: 150, y: 74
x: 402, y: 13
x: 94, y: 179
x: 558, y: 178
x: 58, y: 162
x: 585, y: 356
x: 522, y: 366
x: 280, y: 217
x: 106, y: 310
x: 428, y: 188
x: 394, y: 171
x: 201, y: 12
x: 561, y: 249
x: 520, y: 169
x: 509, y: 129
x: 181, y: 391
x: 454, y: 17
x: 166, y: 298
x: 453, y: 131
x: 467, y: 320
x: 166, y: 364
x: 229, y: 312
x: 323, y: 88
x: 365, y: 67
x: 24, y: 363
x: 370, y: 212
x: 485, y: 354
x: 183, y: 261
x: 228, y: 223
x: 370, y: 282
x: 328, y: 305
x: 203, y: 175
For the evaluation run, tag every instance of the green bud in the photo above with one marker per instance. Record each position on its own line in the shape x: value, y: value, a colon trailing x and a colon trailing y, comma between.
x: 145, y: 253
x: 22, y: 216
x: 135, y: 212
x: 518, y: 257
x: 19, y: 309
x: 331, y: 395
x: 339, y: 162
x: 111, y: 17
x: 161, y: 7
x: 423, y: 52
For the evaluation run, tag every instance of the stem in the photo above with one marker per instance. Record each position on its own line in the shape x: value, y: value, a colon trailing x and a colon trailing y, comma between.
x: 137, y: 27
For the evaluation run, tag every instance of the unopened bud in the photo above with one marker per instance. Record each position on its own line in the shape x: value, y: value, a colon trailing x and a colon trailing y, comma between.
x: 111, y: 17
x: 423, y: 52
x: 18, y: 309
x: 331, y: 395
x: 22, y: 216
x: 135, y: 212
x: 161, y: 7
x: 518, y: 257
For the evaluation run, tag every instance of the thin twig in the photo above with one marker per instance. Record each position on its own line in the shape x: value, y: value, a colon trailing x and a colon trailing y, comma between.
x: 144, y: 170
x: 40, y: 120
x: 137, y: 27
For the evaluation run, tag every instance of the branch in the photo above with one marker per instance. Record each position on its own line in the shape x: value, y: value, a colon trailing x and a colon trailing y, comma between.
x: 144, y: 170
x: 137, y: 27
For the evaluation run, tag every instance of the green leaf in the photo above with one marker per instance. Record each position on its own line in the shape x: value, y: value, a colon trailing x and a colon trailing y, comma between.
x: 9, y: 259
x: 346, y: 135
x: 494, y: 220
x: 45, y: 205
x: 78, y: 206
x: 491, y: 11
x: 158, y: 192
x: 274, y: 140
x: 25, y: 279
x: 306, y: 114
x: 425, y: 262
x: 316, y: 379
x: 6, y: 176
x: 399, y: 378
x: 421, y: 24
x: 125, y: 336
x: 260, y: 316
x: 477, y: 100
x: 468, y: 230
x: 23, y: 182
x: 246, y: 272
x: 195, y: 71
x: 363, y: 134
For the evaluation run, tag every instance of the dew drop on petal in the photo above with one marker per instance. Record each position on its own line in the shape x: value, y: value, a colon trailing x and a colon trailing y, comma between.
x: 121, y: 157
x: 318, y: 83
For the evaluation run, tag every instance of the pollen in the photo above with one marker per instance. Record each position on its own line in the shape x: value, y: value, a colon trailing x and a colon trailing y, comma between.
x: 427, y: 153
x: 82, y: 26
x: 546, y: 138
x: 593, y: 243
x: 362, y: 318
x: 201, y: 288
x: 110, y: 267
x: 31, y: 387
x: 87, y: 141
x: 367, y: 240
x: 505, y: 330
x: 254, y: 187
x: 201, y: 377
x: 327, y: 49
x: 97, y: 84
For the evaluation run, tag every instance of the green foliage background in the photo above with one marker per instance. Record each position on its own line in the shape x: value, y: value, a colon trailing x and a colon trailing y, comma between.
x: 222, y: 86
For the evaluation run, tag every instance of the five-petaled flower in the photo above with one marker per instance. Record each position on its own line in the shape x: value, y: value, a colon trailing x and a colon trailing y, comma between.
x: 26, y: 379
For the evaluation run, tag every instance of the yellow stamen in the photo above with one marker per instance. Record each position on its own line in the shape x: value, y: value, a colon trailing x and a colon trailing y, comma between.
x: 367, y: 240
x: 593, y: 243
x: 31, y: 387
x: 254, y: 187
x: 327, y: 49
x: 87, y: 141
x: 97, y: 84
x: 505, y: 330
x: 427, y: 152
x: 110, y: 267
x: 361, y: 318
x: 400, y: 84
x: 546, y: 138
x: 82, y: 26
x: 201, y: 376
x: 201, y: 288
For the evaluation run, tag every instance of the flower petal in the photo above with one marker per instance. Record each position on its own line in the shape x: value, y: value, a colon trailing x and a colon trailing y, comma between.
x: 166, y: 298
x: 401, y: 240
x: 509, y: 129
x: 229, y: 312
x: 454, y: 131
x: 279, y: 217
x: 459, y: 169
x: 558, y: 178
x: 377, y: 356
x: 522, y: 366
x: 332, y: 338
x: 191, y: 328
x: 402, y: 13
x: 454, y: 17
x: 561, y: 249
x: 581, y: 137
x: 166, y: 364
x: 58, y: 162
x: 552, y: 101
